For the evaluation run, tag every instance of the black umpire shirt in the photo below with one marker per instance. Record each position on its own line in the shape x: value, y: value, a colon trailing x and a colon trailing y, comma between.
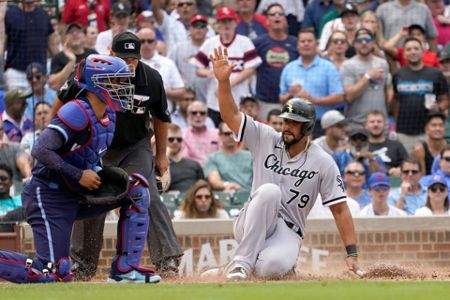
x: 149, y: 98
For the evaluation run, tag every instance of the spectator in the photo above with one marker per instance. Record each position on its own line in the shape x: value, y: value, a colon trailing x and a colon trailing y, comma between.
x: 392, y: 152
x: 173, y: 83
x: 440, y: 20
x: 379, y: 187
x: 312, y: 77
x: 429, y: 58
x: 418, y: 90
x: 411, y: 195
x: 276, y: 49
x: 200, y: 203
x: 91, y: 34
x: 146, y: 19
x: 15, y: 123
x: 88, y: 13
x: 29, y: 34
x: 444, y: 60
x: 314, y: 12
x: 370, y: 21
x: 64, y: 62
x: 37, y: 78
x: 333, y: 14
x: 355, y: 178
x: 11, y: 210
x: 120, y: 22
x: 364, y: 77
x: 335, y: 138
x: 319, y: 211
x: 250, y: 24
x: 294, y: 10
x: 198, y: 140
x: 184, y: 172
x: 359, y: 150
x: 437, y: 199
x: 427, y: 150
x: 444, y: 167
x: 229, y: 169
x: 250, y: 106
x: 240, y: 52
x: 274, y: 120
x: 183, y: 52
x: 336, y: 48
x: 42, y: 117
x: 180, y: 116
x: 397, y: 14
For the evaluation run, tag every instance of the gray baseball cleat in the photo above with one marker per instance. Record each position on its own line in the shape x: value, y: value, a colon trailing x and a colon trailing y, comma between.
x: 237, y: 274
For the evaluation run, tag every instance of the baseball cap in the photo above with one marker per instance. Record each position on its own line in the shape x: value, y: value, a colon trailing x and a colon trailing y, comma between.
x: 377, y: 179
x: 14, y: 94
x: 331, y: 118
x: 126, y: 44
x: 226, y: 13
x: 198, y: 18
x: 121, y: 8
x: 145, y: 15
x: 358, y: 131
x: 38, y: 69
x: 71, y: 26
x: 349, y: 8
x: 445, y: 53
x: 436, y: 179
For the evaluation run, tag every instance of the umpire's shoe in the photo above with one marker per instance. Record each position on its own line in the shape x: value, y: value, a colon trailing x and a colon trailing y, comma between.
x: 238, y: 273
x: 133, y: 276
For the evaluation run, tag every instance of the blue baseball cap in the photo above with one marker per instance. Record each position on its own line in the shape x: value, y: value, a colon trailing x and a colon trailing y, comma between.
x: 377, y: 179
x: 436, y: 179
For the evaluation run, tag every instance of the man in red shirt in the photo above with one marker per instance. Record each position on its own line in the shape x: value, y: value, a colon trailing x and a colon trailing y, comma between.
x: 95, y: 13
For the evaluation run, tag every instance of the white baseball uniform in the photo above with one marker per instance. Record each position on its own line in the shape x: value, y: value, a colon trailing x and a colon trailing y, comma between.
x: 271, y: 225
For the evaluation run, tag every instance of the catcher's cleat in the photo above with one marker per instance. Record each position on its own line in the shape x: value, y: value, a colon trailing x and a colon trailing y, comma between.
x: 237, y: 274
x: 133, y: 276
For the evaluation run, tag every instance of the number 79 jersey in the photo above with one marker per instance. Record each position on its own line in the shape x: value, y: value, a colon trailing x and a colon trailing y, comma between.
x: 300, y: 178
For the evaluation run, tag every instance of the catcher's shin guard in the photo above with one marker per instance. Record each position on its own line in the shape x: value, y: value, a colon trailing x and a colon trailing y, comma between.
x: 132, y: 226
x: 18, y: 268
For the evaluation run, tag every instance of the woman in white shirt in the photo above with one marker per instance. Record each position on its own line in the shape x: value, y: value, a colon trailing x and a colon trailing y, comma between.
x: 200, y: 203
x: 437, y: 198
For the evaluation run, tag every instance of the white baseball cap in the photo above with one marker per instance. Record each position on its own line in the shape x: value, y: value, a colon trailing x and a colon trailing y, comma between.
x: 331, y: 118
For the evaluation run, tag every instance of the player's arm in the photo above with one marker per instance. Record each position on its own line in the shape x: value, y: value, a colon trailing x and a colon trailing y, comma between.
x: 161, y: 161
x: 344, y: 223
x: 23, y: 163
x: 229, y: 112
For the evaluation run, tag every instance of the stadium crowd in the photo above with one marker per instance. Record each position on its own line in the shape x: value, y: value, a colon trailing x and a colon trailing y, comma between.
x: 377, y: 72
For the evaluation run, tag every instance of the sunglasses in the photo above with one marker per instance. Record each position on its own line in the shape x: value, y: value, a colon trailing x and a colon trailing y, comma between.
x: 362, y: 40
x: 37, y: 76
x: 4, y: 178
x: 355, y: 173
x: 181, y: 4
x: 275, y: 14
x: 446, y: 158
x: 198, y: 113
x: 339, y: 41
x: 380, y: 188
x: 148, y: 41
x: 438, y: 187
x: 173, y: 139
x: 359, y: 137
x: 413, y: 172
x: 227, y: 133
x: 199, y: 25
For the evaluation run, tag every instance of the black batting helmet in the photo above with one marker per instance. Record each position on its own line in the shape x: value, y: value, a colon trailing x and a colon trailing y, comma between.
x: 300, y: 110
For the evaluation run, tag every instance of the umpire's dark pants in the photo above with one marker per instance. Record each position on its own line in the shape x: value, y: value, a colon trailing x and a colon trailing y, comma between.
x: 87, y: 235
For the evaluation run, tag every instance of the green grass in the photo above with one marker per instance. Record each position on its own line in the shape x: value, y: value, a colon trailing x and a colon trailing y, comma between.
x: 310, y: 290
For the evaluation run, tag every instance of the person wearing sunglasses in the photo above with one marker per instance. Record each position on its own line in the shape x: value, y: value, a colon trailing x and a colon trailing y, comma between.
x: 37, y: 78
x: 336, y: 47
x: 198, y: 139
x: 411, y: 194
x: 437, y: 202
x: 355, y: 181
x: 184, y: 172
x: 441, y: 166
x: 379, y: 188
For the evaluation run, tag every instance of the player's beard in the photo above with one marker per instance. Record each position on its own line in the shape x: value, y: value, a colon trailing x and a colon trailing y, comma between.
x: 293, y: 141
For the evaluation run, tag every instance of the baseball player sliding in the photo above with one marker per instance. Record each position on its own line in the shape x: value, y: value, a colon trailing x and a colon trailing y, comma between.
x: 288, y: 173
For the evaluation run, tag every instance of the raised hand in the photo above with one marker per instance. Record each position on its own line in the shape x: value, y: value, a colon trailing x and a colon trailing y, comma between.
x: 221, y: 67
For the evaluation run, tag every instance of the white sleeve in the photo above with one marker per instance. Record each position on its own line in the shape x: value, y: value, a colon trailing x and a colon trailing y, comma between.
x: 103, y: 45
x: 176, y: 81
x: 332, y: 187
x: 325, y: 35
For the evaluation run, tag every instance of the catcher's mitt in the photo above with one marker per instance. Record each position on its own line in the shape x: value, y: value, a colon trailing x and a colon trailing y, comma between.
x: 113, y: 189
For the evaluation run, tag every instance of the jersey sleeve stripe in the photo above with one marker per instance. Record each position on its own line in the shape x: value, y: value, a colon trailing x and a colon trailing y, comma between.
x: 202, y: 58
x: 333, y: 200
x: 242, y: 128
x: 60, y: 130
x: 249, y: 55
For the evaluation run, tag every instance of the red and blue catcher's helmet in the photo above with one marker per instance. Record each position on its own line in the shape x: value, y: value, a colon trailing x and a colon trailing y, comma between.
x: 109, y: 78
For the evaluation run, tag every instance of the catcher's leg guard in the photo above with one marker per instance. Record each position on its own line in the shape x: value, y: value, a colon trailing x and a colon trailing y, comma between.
x: 18, y: 268
x: 132, y: 226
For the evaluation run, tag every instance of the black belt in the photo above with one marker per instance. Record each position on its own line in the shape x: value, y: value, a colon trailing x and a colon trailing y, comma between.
x: 294, y: 228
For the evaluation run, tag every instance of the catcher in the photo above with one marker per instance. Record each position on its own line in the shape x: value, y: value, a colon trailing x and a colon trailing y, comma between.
x: 68, y: 183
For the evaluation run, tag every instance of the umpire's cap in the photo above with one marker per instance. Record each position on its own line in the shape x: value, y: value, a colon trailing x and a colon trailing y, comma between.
x: 126, y: 44
x: 300, y: 110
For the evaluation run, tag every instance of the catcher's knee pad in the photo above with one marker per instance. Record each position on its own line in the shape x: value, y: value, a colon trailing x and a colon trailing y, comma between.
x: 18, y: 268
x: 133, y: 225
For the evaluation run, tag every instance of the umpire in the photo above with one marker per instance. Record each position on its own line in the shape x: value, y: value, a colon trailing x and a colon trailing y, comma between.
x: 131, y: 151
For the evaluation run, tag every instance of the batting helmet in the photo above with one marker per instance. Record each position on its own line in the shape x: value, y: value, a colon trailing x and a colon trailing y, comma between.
x: 300, y: 110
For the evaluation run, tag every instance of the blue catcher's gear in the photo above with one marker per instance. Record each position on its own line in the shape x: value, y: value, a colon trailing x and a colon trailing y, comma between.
x: 18, y: 268
x: 109, y: 78
x: 131, y: 234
